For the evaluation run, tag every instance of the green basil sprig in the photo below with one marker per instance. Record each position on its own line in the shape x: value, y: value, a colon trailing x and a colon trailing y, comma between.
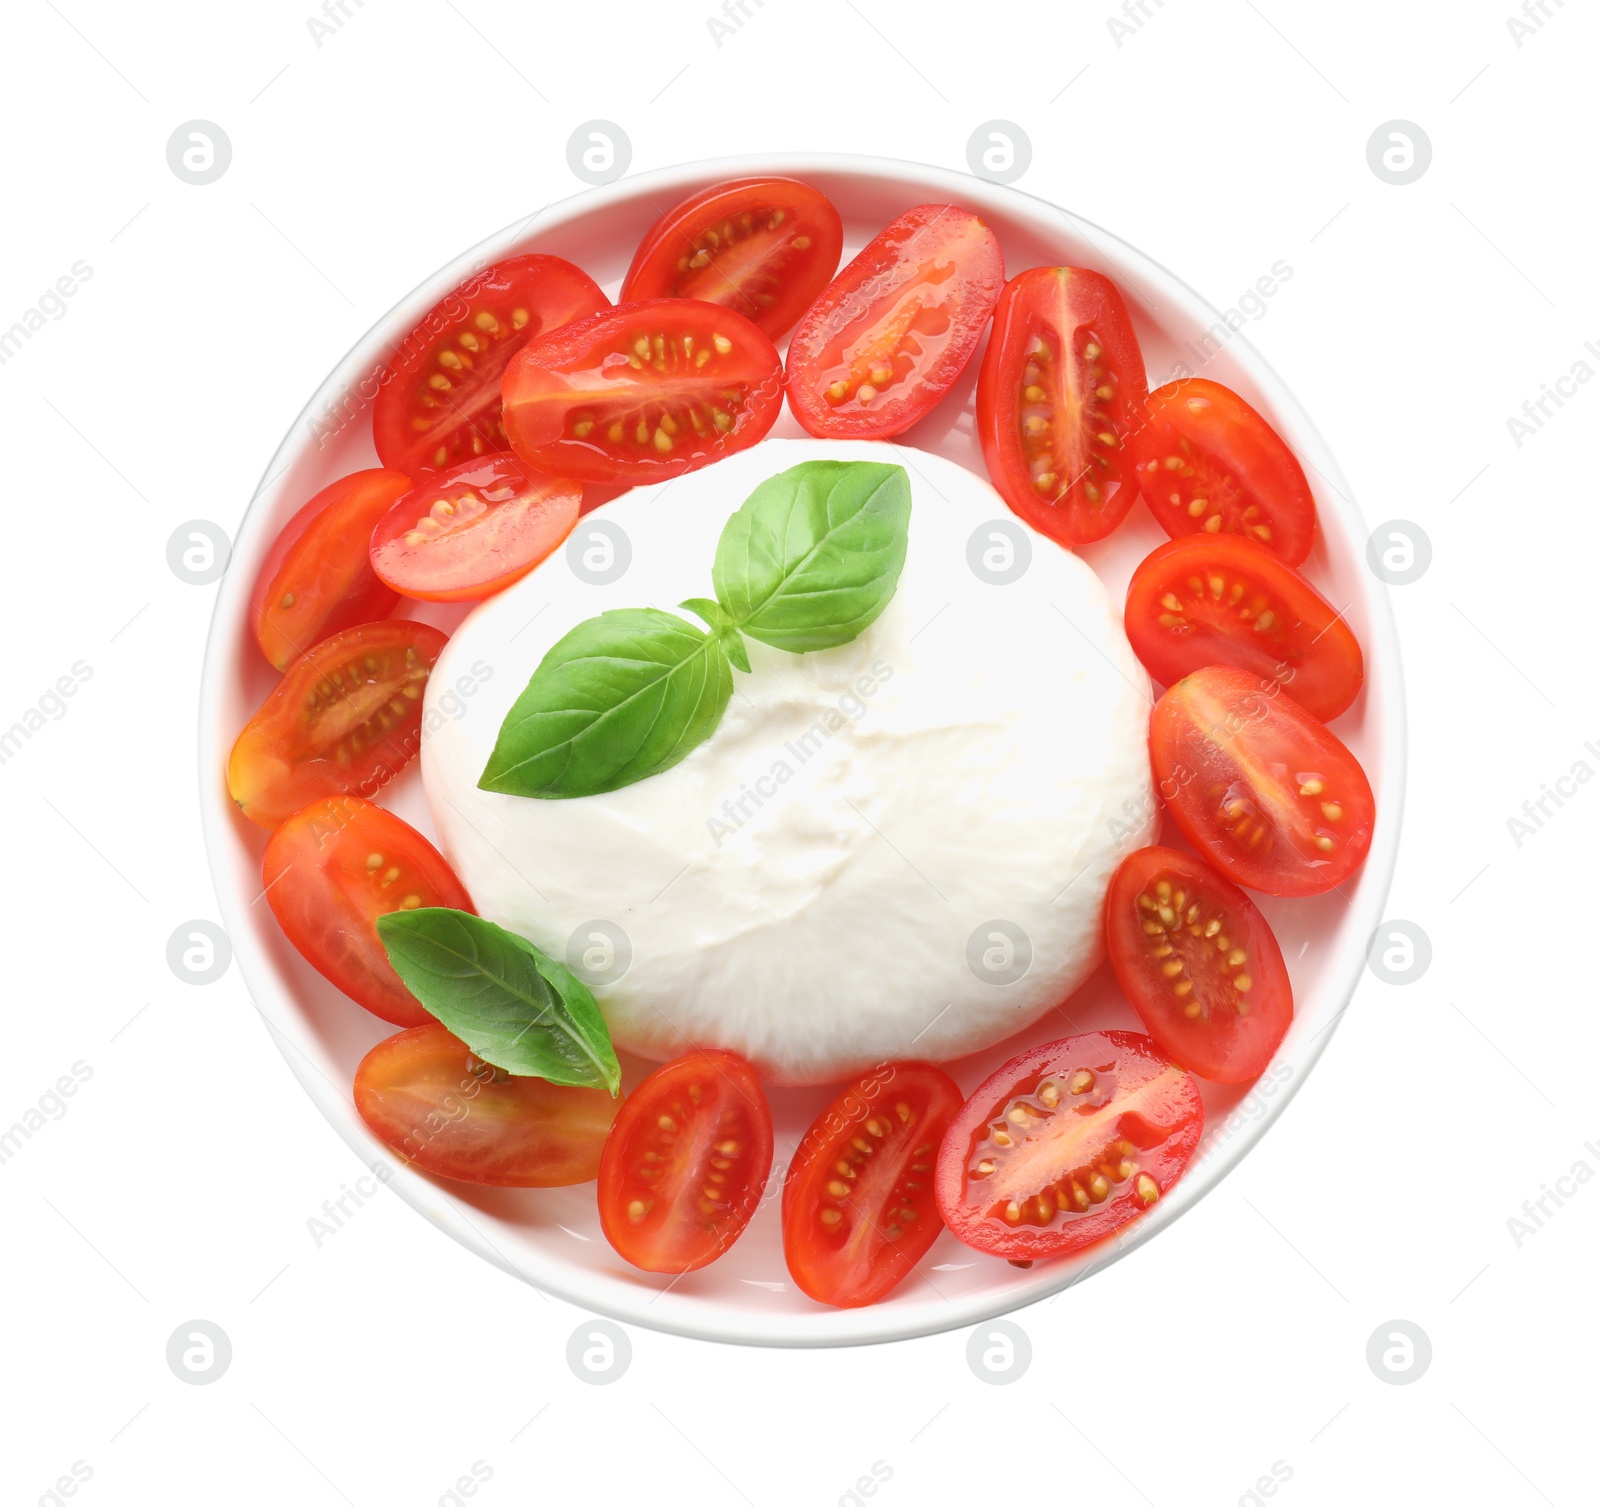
x: 808, y: 562
x: 514, y: 1006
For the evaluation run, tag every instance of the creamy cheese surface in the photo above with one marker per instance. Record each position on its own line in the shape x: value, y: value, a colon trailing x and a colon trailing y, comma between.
x: 897, y: 848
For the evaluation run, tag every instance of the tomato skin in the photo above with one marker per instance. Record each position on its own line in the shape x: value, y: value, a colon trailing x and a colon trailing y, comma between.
x: 753, y: 265
x: 328, y: 894
x: 911, y: 305
x: 1222, y: 738
x: 717, y: 1133
x: 1064, y: 478
x: 1239, y: 604
x: 316, y: 736
x: 839, y: 1248
x: 568, y: 393
x: 320, y: 569
x: 426, y: 1096
x: 502, y: 520
x: 1161, y: 1120
x: 1232, y: 1034
x: 465, y: 341
x: 1228, y: 455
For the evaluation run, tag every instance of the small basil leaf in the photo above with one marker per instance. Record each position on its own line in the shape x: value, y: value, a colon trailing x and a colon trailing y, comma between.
x: 726, y: 632
x: 620, y: 698
x: 815, y: 553
x: 514, y: 1006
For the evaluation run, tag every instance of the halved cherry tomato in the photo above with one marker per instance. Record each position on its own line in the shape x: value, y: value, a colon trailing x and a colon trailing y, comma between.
x: 330, y: 871
x: 1198, y: 963
x: 472, y: 530
x: 1067, y: 1143
x: 1266, y: 793
x: 642, y: 392
x: 344, y: 720
x: 763, y: 246
x: 858, y: 1203
x: 1218, y: 599
x: 438, y: 400
x: 317, y: 579
x: 424, y: 1094
x: 1207, y: 462
x: 892, y: 332
x: 1061, y: 389
x: 686, y: 1163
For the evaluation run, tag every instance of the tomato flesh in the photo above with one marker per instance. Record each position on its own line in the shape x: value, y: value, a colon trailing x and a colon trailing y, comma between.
x: 686, y: 1163
x: 471, y: 531
x: 642, y: 392
x: 330, y: 871
x: 762, y: 246
x: 1066, y: 1144
x: 438, y: 398
x: 1207, y: 462
x: 344, y: 720
x: 890, y: 335
x: 859, y: 1209
x: 424, y: 1094
x: 1061, y: 389
x: 317, y: 580
x: 1218, y: 599
x: 1263, y: 790
x: 1198, y: 963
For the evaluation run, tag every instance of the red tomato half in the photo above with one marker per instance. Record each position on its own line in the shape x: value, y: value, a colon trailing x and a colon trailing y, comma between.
x: 763, y: 246
x: 642, y: 392
x: 890, y: 335
x: 687, y: 1162
x: 330, y: 871
x: 1207, y: 462
x: 424, y: 1094
x: 858, y: 1204
x: 1061, y: 389
x: 344, y: 720
x: 1067, y: 1143
x: 1258, y: 785
x: 317, y: 579
x: 471, y: 531
x: 1198, y: 963
x: 438, y: 399
x: 1217, y: 599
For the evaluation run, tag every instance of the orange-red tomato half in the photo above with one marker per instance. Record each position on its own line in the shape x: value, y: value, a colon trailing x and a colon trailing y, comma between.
x: 316, y: 579
x: 859, y: 1209
x: 642, y: 392
x: 892, y: 332
x: 1207, y: 462
x: 1061, y: 389
x: 1067, y: 1143
x: 1219, y: 599
x: 344, y: 720
x: 438, y: 400
x: 765, y: 247
x: 1263, y: 790
x: 471, y: 531
x: 686, y: 1163
x: 331, y: 870
x: 425, y: 1095
x: 1198, y: 963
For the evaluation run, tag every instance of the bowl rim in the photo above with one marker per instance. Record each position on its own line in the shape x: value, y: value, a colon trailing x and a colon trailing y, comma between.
x: 825, y: 1327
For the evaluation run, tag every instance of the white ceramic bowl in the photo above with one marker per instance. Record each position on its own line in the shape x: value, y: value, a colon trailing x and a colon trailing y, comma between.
x: 551, y: 1237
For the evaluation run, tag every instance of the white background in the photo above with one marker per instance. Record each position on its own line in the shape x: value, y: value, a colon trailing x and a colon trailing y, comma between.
x: 378, y: 1368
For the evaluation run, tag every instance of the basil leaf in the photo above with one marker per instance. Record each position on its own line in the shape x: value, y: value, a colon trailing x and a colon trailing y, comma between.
x: 515, y: 1007
x: 620, y: 698
x: 727, y: 632
x: 815, y: 553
